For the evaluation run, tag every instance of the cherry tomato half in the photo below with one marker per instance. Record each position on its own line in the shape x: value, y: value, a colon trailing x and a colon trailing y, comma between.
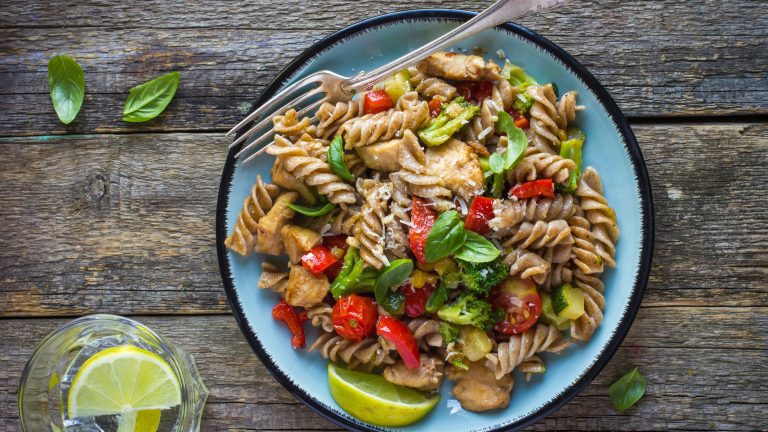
x: 422, y: 219
x: 376, y: 102
x: 354, y: 317
x: 521, y: 302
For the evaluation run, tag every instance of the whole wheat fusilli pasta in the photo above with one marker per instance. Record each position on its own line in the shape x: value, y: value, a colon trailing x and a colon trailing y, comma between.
x: 243, y: 237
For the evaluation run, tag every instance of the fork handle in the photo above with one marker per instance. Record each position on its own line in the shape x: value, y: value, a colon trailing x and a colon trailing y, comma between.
x: 499, y: 13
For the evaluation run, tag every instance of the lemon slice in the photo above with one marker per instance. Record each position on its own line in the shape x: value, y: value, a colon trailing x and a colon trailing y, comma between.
x: 127, y: 381
x: 372, y: 399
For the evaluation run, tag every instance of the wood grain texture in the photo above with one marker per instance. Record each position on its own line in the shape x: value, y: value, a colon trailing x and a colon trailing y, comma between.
x: 125, y: 223
x: 695, y: 382
x: 656, y: 58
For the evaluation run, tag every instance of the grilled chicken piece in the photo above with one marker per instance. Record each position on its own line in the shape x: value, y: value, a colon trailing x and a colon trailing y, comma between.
x: 298, y: 240
x: 304, y: 288
x: 477, y: 389
x: 268, y: 231
x: 459, y: 67
x: 381, y: 156
x: 284, y: 179
x: 428, y: 376
x: 458, y: 166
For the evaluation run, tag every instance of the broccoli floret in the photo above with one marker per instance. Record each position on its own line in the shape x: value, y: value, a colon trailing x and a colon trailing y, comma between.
x: 523, y: 103
x: 516, y: 75
x: 453, y: 116
x: 449, y: 331
x: 481, y: 277
x: 467, y: 309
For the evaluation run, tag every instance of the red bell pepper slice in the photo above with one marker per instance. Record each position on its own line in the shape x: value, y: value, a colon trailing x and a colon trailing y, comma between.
x: 401, y: 336
x: 422, y: 219
x: 543, y: 187
x: 376, y: 102
x: 318, y: 259
x: 519, y: 118
x: 435, y: 106
x: 480, y: 212
x: 475, y: 91
x: 416, y: 299
x: 285, y: 313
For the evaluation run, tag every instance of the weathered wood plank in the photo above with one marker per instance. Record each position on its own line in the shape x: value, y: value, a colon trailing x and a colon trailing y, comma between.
x: 656, y: 58
x: 696, y: 382
x: 118, y: 224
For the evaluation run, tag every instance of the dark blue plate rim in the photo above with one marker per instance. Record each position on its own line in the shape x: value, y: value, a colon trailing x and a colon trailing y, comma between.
x: 605, y: 99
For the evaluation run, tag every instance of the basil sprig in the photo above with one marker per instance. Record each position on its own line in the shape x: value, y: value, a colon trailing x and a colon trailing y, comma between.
x: 319, y: 210
x: 146, y: 101
x: 396, y: 273
x: 336, y: 159
x: 477, y: 249
x: 446, y: 236
x: 627, y: 390
x: 66, y: 80
x: 517, y: 142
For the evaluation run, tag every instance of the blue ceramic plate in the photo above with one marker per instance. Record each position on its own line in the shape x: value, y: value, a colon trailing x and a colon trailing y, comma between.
x: 610, y: 147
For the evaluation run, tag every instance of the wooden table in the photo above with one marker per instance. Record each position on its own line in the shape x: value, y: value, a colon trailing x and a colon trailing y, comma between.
x: 105, y: 216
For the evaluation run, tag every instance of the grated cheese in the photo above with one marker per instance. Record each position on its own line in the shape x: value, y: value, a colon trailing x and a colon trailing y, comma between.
x: 485, y: 132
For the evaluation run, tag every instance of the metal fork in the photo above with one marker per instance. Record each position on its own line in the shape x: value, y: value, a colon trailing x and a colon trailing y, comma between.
x: 337, y: 88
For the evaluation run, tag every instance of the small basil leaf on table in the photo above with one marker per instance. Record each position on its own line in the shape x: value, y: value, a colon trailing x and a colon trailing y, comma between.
x: 66, y: 80
x: 517, y: 142
x: 477, y: 249
x: 146, y: 101
x: 336, y: 159
x: 446, y: 236
x: 396, y: 273
x: 319, y: 210
x: 627, y: 390
x: 438, y: 298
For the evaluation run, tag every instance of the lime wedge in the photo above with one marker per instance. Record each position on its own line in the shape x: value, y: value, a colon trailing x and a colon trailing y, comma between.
x: 372, y: 399
x: 127, y: 381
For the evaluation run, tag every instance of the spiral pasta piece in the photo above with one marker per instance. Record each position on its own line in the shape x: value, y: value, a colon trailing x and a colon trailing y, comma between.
x: 536, y: 165
x: 291, y: 126
x: 545, y: 120
x: 558, y: 275
x: 585, y: 256
x: 273, y: 278
x: 414, y: 173
x: 369, y: 231
x: 508, y: 213
x: 386, y: 125
x: 367, y: 353
x: 521, y: 347
x: 541, y: 235
x: 566, y: 109
x: 243, y: 237
x: 426, y: 332
x: 312, y: 171
x: 599, y: 214
x: 526, y: 264
x: 320, y: 316
x: 396, y: 238
x: 416, y: 76
x: 431, y: 87
x: 332, y: 116
x: 584, y: 327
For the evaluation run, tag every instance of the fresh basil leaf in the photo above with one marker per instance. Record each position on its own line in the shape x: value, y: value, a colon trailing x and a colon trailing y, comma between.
x: 445, y: 237
x: 336, y: 159
x: 437, y: 299
x: 67, y: 85
x: 477, y: 249
x: 146, y: 101
x: 312, y: 211
x: 496, y: 163
x: 394, y: 274
x: 517, y: 142
x: 627, y: 390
